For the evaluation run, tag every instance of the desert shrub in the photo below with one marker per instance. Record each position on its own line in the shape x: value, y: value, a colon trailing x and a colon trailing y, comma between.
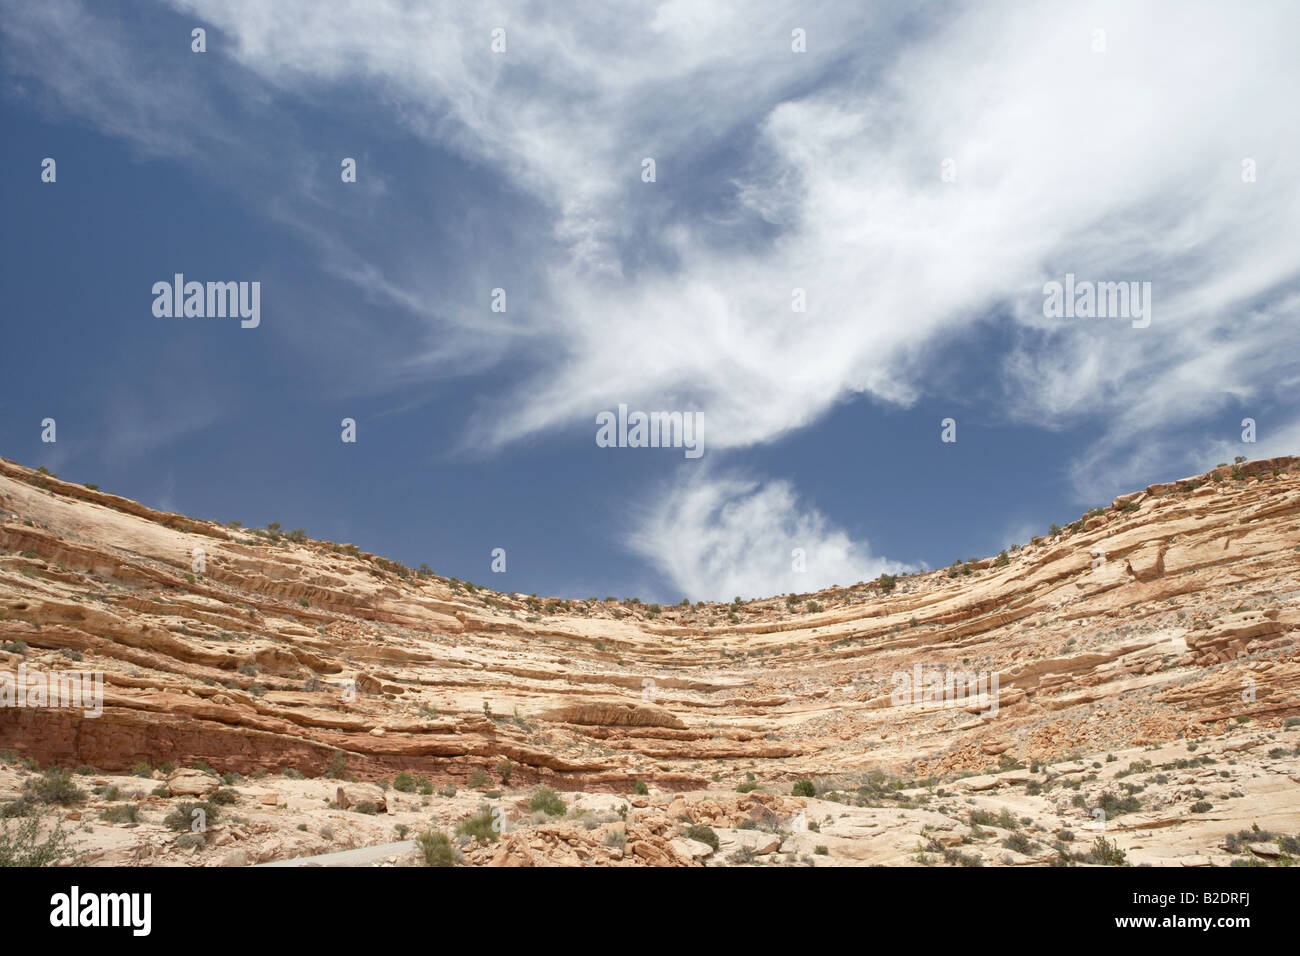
x: 703, y: 834
x: 1105, y: 853
x: 1200, y: 806
x: 547, y: 801
x: 616, y: 838
x: 122, y: 813
x: 29, y: 843
x: 803, y: 788
x: 404, y: 782
x: 1020, y: 843
x: 183, y: 816
x: 479, y: 826
x: 338, y: 765
x: 742, y: 856
x: 640, y: 788
x: 478, y: 778
x: 187, y: 841
x: 504, y: 770
x: 223, y: 797
x: 54, y: 786
x: 1114, y: 805
x: 436, y: 848
x: 367, y: 807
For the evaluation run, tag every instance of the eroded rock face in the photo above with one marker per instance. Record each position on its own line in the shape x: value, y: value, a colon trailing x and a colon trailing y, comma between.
x: 1171, y: 615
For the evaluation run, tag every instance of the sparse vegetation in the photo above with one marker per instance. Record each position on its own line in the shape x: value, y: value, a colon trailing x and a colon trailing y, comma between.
x: 547, y: 801
x: 436, y: 848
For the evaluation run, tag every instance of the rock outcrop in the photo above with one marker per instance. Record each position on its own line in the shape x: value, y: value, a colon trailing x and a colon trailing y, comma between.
x: 1168, y: 616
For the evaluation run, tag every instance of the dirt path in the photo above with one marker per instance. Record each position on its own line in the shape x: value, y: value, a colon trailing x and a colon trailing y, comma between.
x: 363, y: 856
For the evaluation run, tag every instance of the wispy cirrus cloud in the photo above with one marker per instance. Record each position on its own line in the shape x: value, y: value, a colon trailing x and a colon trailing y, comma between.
x: 779, y: 170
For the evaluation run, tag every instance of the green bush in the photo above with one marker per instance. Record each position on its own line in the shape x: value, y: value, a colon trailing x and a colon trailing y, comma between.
x: 54, y: 786
x: 436, y: 848
x: 122, y: 813
x: 547, y: 801
x: 1114, y: 805
x: 478, y: 778
x: 1105, y: 853
x: 1020, y: 843
x: 30, y: 843
x: 703, y: 835
x: 182, y: 818
x: 803, y: 788
x: 338, y: 766
x: 404, y: 782
x: 640, y: 788
x: 479, y: 827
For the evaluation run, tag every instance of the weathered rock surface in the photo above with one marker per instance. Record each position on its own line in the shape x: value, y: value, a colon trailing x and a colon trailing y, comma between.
x: 1168, y: 618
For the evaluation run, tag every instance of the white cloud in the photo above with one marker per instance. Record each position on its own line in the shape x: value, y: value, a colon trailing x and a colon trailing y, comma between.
x: 719, y: 536
x: 821, y: 171
x: 1115, y: 165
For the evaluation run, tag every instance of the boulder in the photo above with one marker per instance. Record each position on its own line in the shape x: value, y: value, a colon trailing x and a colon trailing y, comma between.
x: 351, y: 794
x: 693, y: 849
x: 191, y: 783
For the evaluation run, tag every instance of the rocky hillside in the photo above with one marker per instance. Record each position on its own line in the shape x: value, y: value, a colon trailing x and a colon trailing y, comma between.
x: 1159, y: 630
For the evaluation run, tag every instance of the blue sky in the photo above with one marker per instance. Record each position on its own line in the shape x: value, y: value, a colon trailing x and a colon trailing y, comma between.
x: 521, y: 170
